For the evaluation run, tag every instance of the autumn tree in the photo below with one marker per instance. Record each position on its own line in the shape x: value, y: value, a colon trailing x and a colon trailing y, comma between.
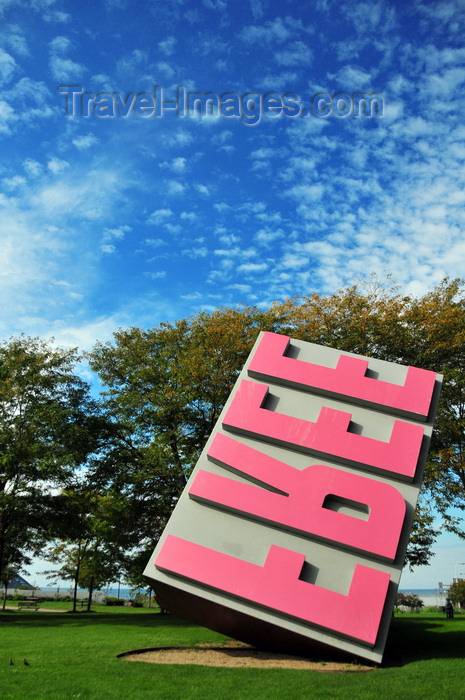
x: 374, y: 319
x: 456, y: 592
x: 165, y: 388
x: 48, y: 427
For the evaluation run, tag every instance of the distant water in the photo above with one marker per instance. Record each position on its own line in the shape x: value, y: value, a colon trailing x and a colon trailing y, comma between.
x: 429, y: 596
x: 123, y: 592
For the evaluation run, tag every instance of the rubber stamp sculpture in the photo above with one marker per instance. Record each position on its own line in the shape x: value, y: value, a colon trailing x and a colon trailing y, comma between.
x: 293, y: 528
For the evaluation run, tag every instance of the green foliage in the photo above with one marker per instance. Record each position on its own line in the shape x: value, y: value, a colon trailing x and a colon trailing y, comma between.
x: 48, y: 427
x: 165, y: 388
x: 410, y: 601
x: 456, y: 591
x: 113, y: 600
x: 85, y: 551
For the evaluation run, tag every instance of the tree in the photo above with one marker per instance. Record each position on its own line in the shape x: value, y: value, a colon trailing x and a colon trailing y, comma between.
x: 165, y: 390
x: 84, y: 547
x: 428, y: 332
x: 456, y: 592
x: 409, y: 600
x: 48, y: 427
x: 166, y: 387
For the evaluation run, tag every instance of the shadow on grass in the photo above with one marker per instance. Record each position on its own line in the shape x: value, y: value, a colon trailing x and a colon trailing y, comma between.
x: 410, y: 639
x: 422, y: 638
x: 81, y: 619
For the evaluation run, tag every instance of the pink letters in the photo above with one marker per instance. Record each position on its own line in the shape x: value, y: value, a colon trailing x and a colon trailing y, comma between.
x: 300, y: 501
x: 329, y: 435
x: 348, y: 379
x: 328, y: 517
x: 277, y: 586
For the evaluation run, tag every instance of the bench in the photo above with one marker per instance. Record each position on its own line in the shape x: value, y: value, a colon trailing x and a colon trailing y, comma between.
x: 28, y: 604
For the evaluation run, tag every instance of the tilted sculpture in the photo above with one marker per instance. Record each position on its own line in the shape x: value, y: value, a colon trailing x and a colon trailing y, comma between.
x: 292, y: 531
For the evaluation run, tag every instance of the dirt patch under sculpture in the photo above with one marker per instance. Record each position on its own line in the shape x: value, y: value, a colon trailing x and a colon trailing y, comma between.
x: 236, y: 655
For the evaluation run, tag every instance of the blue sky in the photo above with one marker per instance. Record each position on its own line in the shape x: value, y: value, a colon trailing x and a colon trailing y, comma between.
x: 118, y: 221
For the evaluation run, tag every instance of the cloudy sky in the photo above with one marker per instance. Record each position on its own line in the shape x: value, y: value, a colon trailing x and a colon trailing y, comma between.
x: 109, y: 220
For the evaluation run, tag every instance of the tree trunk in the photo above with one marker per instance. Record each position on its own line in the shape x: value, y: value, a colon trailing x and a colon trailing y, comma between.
x: 4, y: 595
x: 75, y: 593
x: 91, y: 589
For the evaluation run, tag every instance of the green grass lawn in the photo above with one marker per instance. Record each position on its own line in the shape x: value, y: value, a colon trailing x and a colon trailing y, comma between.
x: 74, y: 656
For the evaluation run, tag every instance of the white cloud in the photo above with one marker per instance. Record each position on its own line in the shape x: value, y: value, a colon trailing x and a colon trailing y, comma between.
x: 194, y: 296
x: 229, y: 239
x: 271, y: 32
x: 108, y: 249
x: 4, y: 4
x: 298, y: 55
x: 159, y: 275
x: 181, y: 137
x: 444, y: 84
x: 86, y: 335
x: 252, y: 267
x: 31, y: 100
x: 167, y: 46
x: 306, y: 193
x: 221, y: 207
x: 257, y: 9
x: 165, y: 69
x: 56, y: 16
x: 12, y: 183
x: 130, y: 65
x: 200, y: 252
x: 14, y: 39
x: 265, y: 237
x: 159, y: 216
x: 85, y: 141
x: 88, y: 197
x: 241, y: 288
x: 228, y: 252
x: 219, y: 5
x: 60, y: 44
x: 118, y: 232
x: 7, y: 67
x: 373, y: 18
x: 32, y: 167
x: 293, y: 261
x: 190, y: 216
x: 57, y: 165
x: 172, y: 229
x: 65, y: 70
x: 31, y: 104
x: 353, y: 78
x: 176, y: 165
x: 282, y: 82
x: 51, y: 247
x: 7, y: 115
x: 263, y: 153
x: 155, y: 242
x: 174, y: 187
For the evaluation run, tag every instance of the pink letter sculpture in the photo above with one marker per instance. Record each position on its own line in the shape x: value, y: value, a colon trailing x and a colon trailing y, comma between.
x: 292, y: 531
